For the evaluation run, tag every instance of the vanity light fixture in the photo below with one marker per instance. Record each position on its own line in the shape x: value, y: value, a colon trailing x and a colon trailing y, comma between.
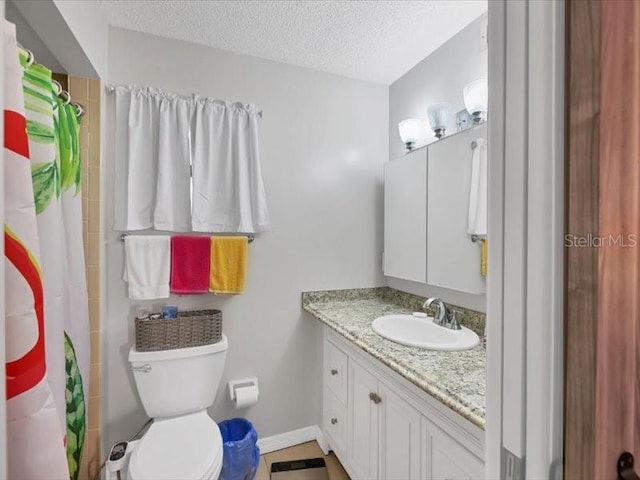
x: 476, y: 98
x: 410, y: 132
x: 439, y: 115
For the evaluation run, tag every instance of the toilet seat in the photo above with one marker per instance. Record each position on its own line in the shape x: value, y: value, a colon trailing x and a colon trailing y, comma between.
x: 180, y: 448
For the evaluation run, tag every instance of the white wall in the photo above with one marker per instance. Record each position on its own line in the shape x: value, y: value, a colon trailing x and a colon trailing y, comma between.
x: 438, y: 78
x: 89, y: 25
x: 324, y: 141
x: 75, y: 32
x: 30, y: 39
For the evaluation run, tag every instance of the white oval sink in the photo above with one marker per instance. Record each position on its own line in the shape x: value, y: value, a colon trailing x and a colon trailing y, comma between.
x: 421, y: 332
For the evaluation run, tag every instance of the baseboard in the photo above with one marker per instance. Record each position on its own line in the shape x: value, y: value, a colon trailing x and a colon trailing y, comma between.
x: 322, y: 441
x: 289, y: 439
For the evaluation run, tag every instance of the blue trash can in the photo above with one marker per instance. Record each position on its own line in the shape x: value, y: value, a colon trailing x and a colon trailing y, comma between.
x: 241, y: 455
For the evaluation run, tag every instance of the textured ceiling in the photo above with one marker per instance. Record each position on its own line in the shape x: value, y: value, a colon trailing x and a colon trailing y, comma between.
x: 376, y: 41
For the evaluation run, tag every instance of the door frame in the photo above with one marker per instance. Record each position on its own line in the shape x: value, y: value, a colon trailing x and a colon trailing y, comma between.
x: 526, y: 226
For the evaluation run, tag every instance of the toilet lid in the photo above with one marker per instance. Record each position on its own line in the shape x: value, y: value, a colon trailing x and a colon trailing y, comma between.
x: 182, y: 448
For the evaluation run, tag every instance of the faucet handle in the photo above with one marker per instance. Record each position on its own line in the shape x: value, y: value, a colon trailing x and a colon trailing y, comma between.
x: 427, y: 303
x: 453, y: 322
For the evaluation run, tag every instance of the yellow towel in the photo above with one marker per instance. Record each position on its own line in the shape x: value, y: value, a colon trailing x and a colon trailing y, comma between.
x: 228, y: 264
x: 484, y: 254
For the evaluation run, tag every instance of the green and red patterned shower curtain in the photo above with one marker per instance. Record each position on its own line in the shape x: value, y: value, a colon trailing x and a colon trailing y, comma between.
x: 47, y: 308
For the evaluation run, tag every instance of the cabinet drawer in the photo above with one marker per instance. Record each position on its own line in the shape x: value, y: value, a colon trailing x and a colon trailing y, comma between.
x: 336, y: 372
x: 335, y: 421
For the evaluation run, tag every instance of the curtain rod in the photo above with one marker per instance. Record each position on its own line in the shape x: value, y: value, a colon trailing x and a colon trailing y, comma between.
x: 66, y: 96
x: 112, y: 88
x: 251, y: 237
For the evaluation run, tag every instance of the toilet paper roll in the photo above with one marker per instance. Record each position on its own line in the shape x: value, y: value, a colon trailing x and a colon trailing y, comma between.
x: 246, y: 396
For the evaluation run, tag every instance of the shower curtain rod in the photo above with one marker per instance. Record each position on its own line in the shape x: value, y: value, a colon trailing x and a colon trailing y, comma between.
x: 66, y: 96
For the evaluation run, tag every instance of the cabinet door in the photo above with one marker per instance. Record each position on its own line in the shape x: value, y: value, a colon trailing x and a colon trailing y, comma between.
x: 446, y: 459
x: 399, y: 438
x: 453, y: 260
x: 362, y: 431
x: 405, y: 217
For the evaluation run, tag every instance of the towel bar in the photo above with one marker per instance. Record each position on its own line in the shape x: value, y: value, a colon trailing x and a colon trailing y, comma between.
x: 250, y: 237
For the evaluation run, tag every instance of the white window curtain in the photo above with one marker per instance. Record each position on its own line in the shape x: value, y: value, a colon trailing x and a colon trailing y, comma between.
x: 228, y: 193
x: 159, y: 137
x: 152, y: 160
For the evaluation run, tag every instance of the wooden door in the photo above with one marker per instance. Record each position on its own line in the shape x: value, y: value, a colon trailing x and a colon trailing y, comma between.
x: 362, y: 431
x: 602, y: 397
x: 399, y: 438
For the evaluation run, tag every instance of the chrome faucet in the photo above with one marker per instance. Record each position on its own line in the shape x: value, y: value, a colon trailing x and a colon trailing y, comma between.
x: 446, y: 317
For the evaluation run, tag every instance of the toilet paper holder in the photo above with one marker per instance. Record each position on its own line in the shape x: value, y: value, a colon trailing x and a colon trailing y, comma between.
x: 235, y: 384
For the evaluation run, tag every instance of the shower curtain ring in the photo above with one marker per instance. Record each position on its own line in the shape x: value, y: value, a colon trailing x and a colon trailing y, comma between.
x: 57, y: 86
x: 79, y: 109
x: 31, y: 58
x: 66, y: 98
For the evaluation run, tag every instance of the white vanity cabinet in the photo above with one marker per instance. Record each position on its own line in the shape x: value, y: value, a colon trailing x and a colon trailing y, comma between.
x: 394, y: 430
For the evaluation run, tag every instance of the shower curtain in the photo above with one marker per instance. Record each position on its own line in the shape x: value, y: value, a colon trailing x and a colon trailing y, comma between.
x: 76, y: 303
x: 35, y: 440
x: 47, y: 197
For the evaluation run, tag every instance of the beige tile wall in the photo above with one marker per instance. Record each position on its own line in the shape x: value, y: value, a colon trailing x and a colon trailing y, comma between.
x: 87, y: 93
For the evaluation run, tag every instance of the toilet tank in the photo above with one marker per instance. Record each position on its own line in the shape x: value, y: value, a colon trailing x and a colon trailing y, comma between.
x: 180, y: 381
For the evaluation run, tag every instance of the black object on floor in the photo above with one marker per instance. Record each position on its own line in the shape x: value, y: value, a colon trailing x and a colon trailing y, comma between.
x: 306, y: 469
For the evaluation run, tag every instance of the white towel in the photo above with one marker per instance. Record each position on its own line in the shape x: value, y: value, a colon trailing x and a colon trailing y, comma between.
x: 147, y: 266
x: 477, y: 224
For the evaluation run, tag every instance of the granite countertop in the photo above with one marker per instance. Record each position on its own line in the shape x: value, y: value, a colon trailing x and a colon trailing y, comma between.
x: 457, y: 379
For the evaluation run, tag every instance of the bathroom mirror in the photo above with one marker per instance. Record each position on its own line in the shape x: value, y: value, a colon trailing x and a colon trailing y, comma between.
x: 454, y: 255
x: 426, y: 215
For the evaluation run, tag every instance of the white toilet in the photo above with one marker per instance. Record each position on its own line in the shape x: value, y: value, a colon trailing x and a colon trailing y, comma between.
x: 176, y: 387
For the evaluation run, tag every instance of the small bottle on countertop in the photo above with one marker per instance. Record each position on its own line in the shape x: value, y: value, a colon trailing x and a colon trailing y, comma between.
x: 142, y: 313
x: 169, y: 311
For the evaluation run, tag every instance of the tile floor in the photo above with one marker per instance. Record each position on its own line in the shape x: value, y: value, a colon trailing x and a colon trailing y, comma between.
x: 298, y: 452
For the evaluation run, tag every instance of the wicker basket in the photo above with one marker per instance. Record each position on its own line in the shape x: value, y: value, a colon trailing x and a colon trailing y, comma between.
x: 190, y: 329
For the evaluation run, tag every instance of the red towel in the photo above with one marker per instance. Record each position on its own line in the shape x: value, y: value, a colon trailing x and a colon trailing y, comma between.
x: 190, y: 261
